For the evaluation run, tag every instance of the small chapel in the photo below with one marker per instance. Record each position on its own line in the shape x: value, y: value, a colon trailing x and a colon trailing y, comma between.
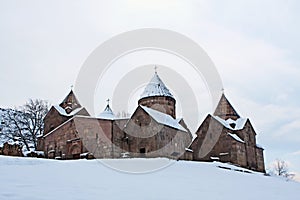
x: 152, y: 130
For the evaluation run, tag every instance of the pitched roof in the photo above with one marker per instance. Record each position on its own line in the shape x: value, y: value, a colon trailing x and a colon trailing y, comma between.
x: 156, y: 88
x: 107, y: 113
x: 163, y: 118
x: 70, y: 103
x: 225, y: 110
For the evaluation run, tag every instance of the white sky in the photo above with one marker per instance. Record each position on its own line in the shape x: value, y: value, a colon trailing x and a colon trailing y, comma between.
x: 254, y: 45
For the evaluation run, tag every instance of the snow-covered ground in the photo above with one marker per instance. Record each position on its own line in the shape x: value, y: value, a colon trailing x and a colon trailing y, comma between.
x: 31, y: 178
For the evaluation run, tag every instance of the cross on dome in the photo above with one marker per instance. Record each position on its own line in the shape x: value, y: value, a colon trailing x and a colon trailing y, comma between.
x: 107, y: 113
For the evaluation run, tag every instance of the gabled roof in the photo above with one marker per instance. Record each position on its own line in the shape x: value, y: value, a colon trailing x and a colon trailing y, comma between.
x: 156, y: 88
x: 107, y: 113
x: 225, y: 110
x: 163, y: 118
x: 69, y: 107
x: 70, y: 103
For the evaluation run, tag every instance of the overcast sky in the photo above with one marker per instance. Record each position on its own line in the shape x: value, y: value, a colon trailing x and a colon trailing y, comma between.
x: 254, y: 45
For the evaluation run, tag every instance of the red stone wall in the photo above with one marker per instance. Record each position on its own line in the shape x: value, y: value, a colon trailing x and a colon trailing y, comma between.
x: 11, y: 150
x: 143, y: 132
x: 80, y: 135
x: 260, y: 160
x: 52, y: 120
x: 96, y: 136
x: 55, y: 143
x: 227, y: 149
x: 160, y: 103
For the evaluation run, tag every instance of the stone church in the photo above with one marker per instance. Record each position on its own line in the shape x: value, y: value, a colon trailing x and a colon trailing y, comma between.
x: 226, y: 137
x: 153, y: 130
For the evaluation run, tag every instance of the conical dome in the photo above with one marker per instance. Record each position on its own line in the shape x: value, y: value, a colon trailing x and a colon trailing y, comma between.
x: 156, y: 88
x: 107, y: 113
x: 158, y: 97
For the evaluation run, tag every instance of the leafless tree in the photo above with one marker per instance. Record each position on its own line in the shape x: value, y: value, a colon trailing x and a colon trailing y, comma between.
x: 25, y: 123
x: 34, y: 112
x: 123, y: 114
x: 280, y: 168
x: 13, y: 129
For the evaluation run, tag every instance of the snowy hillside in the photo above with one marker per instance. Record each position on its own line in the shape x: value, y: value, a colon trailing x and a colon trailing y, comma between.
x: 30, y: 178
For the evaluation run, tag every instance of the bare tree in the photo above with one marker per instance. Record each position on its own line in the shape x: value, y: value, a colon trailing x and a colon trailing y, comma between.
x: 34, y: 112
x: 24, y: 124
x: 280, y: 168
x: 13, y: 129
x: 123, y: 114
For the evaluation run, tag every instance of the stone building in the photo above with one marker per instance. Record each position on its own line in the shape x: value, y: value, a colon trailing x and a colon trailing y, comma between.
x: 226, y: 137
x: 151, y: 131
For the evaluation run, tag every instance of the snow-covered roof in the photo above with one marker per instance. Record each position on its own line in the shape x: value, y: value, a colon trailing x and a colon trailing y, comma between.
x: 156, y: 88
x: 64, y: 113
x: 178, y: 119
x: 163, y: 118
x: 236, y: 137
x: 223, y: 154
x: 232, y: 124
x: 107, y: 114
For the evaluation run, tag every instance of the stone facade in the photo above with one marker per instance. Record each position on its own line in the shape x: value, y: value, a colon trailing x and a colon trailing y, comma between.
x: 151, y: 131
x: 160, y: 103
x: 112, y: 139
x: 228, y: 138
x: 146, y: 136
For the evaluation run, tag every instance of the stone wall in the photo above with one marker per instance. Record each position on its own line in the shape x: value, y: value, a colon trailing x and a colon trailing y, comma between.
x: 11, y: 150
x: 260, y: 159
x: 160, y: 103
x: 52, y: 120
x: 146, y: 138
x: 80, y: 135
x: 96, y: 136
x: 59, y: 142
x: 215, y: 143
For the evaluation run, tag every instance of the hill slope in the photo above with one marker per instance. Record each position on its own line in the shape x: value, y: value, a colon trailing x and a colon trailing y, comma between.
x: 29, y: 178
